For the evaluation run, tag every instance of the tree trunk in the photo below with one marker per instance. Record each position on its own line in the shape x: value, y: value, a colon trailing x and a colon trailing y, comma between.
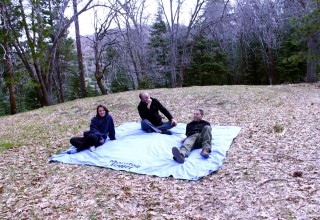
x: 35, y: 76
x: 173, y: 63
x: 313, y: 58
x: 243, y: 60
x: 58, y: 81
x: 183, y: 64
x: 9, y: 67
x: 271, y: 66
x: 135, y: 75
x: 79, y: 51
x: 10, y: 80
x: 99, y: 76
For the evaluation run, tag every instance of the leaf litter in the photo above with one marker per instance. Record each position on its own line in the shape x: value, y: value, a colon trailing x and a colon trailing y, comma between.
x: 271, y: 170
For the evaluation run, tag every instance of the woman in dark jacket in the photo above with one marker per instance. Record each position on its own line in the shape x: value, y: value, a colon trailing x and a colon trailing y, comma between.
x: 101, y: 127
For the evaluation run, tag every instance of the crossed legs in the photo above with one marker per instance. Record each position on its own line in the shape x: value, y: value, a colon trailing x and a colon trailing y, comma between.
x: 147, y: 126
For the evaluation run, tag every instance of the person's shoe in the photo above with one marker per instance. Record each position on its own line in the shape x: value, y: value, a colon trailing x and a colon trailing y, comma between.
x: 166, y: 132
x: 72, y: 151
x: 92, y: 148
x: 205, y: 152
x: 177, y: 156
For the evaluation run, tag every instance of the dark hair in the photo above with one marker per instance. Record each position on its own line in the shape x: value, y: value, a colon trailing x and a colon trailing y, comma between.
x: 200, y: 110
x: 104, y: 107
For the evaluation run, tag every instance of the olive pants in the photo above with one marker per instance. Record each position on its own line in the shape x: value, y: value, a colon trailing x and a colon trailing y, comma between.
x: 196, y: 141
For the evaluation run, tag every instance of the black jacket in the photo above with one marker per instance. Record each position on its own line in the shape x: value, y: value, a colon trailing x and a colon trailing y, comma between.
x: 152, y: 114
x: 195, y: 127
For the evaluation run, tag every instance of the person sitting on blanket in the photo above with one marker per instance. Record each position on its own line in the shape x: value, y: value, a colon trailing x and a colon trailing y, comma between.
x: 148, y: 109
x: 198, y: 134
x: 101, y: 127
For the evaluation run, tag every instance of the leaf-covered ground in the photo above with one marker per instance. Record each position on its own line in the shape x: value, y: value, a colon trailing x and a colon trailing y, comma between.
x: 272, y: 170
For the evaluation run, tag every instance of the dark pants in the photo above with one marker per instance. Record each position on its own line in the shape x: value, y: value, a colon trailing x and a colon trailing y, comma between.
x: 82, y: 143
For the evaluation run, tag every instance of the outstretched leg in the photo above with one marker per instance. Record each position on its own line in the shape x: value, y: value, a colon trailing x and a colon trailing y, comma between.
x: 188, y: 145
x: 206, y: 139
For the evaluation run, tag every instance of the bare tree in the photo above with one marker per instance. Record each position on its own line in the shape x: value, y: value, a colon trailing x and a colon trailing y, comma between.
x: 103, y: 37
x: 131, y: 22
x: 261, y: 19
x: 173, y: 22
x: 79, y: 50
x: 195, y: 13
x: 268, y: 22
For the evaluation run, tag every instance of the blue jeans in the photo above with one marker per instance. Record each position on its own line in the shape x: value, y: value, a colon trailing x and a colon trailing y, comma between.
x: 147, y: 126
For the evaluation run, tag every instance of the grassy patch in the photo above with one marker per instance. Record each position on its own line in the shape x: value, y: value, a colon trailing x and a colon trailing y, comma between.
x: 7, y: 145
x: 278, y: 128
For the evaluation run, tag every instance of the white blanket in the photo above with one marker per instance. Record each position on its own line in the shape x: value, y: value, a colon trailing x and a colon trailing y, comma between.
x: 150, y: 153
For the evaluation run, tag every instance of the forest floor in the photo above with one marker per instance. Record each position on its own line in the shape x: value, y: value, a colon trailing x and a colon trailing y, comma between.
x: 272, y: 170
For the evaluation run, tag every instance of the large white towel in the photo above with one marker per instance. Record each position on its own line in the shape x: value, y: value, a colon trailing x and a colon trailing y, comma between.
x: 150, y: 153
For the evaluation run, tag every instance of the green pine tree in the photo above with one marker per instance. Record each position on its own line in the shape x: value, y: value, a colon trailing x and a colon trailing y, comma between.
x: 158, y: 52
x: 292, y: 62
x: 208, y: 65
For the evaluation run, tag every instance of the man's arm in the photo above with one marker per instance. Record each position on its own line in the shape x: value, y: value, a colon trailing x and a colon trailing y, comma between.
x: 143, y: 111
x: 164, y: 111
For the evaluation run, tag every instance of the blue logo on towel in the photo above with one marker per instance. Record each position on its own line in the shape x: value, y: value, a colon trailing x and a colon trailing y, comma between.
x: 124, y: 165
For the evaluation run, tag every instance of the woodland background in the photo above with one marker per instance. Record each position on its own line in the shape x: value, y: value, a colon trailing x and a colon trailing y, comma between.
x: 220, y: 42
x: 250, y: 63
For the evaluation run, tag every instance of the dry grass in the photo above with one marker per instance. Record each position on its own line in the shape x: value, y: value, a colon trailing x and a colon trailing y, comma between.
x: 271, y: 170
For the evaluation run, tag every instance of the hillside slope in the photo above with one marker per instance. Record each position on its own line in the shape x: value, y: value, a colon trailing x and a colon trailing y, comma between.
x: 271, y: 170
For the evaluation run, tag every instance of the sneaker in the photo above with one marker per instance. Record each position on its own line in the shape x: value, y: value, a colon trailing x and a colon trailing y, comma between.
x: 177, y: 156
x: 205, y: 152
x: 92, y: 148
x: 166, y: 132
x: 72, y: 151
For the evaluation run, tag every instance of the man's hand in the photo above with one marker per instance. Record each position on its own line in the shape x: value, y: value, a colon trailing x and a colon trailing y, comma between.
x: 173, y: 122
x: 102, y: 141
x: 149, y: 101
